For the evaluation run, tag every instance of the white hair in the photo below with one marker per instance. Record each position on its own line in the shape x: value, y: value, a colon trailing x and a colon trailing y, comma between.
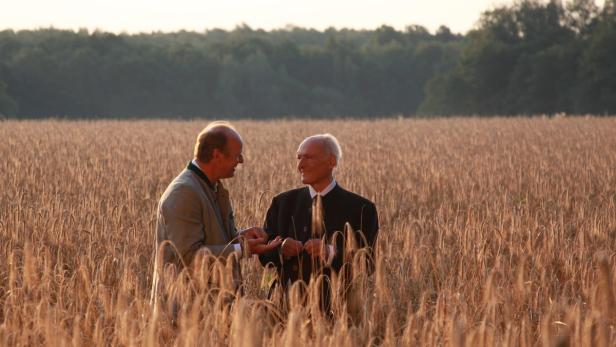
x: 330, y: 143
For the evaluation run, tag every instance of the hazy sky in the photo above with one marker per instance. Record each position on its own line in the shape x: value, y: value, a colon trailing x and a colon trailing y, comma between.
x: 172, y: 15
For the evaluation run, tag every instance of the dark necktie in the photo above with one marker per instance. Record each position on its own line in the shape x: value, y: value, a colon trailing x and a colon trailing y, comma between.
x: 316, y: 224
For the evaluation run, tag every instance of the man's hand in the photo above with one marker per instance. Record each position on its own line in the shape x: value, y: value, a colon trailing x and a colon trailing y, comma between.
x: 291, y: 247
x: 257, y: 246
x: 254, y: 233
x: 317, y: 249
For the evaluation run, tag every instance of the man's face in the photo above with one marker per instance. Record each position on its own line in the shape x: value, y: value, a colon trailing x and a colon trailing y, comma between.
x: 313, y: 163
x: 228, y: 161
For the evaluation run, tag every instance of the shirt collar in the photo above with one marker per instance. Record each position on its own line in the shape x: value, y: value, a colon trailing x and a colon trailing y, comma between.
x: 324, y: 192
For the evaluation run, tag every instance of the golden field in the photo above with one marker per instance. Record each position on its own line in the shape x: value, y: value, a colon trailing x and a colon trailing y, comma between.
x: 493, y: 232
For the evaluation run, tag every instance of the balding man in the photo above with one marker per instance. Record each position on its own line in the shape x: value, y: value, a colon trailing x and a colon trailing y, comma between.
x: 195, y: 213
x: 308, y: 249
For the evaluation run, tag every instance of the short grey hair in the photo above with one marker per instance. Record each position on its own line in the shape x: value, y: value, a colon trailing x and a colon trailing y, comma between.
x: 329, y: 141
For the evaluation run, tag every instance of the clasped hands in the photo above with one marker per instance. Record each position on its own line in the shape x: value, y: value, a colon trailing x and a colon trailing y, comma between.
x: 255, y: 239
x: 316, y: 248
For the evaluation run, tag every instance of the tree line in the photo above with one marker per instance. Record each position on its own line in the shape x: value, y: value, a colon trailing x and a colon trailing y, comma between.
x: 531, y: 57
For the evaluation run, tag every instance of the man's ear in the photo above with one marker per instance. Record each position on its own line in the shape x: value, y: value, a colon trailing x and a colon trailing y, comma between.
x: 332, y: 161
x: 216, y: 153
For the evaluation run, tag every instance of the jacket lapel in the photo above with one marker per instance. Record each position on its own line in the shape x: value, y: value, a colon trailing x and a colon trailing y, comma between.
x: 224, y: 204
x: 302, y: 216
x: 213, y: 199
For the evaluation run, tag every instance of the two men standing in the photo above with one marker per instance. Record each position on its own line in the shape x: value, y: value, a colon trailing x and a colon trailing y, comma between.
x: 195, y: 213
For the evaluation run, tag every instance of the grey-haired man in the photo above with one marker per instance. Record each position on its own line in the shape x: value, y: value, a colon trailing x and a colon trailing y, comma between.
x: 309, y: 249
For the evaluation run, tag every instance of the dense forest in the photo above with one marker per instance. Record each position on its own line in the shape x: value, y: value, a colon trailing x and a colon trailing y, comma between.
x: 532, y: 57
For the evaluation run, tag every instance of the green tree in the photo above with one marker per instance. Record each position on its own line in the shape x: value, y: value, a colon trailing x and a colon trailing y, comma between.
x: 8, y: 105
x: 598, y: 91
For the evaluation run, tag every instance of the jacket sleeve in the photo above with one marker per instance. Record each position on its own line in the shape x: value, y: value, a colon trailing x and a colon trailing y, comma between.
x: 182, y: 220
x: 271, y: 228
x: 233, y: 227
x: 369, y: 227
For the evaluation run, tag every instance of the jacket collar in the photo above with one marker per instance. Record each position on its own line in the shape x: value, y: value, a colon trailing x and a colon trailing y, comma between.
x: 194, y: 167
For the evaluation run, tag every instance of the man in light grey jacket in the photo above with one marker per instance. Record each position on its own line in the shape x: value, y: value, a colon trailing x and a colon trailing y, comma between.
x: 195, y: 214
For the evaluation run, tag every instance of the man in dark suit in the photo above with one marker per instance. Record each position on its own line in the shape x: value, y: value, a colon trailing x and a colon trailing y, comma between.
x: 310, y: 219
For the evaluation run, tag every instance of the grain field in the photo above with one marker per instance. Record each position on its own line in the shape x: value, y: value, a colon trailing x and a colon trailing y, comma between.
x: 493, y: 232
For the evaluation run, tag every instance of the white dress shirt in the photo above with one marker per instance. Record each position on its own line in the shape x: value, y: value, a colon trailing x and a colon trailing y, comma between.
x: 323, y: 192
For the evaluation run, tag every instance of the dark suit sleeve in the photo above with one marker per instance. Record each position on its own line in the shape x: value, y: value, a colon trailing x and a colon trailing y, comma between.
x: 271, y: 228
x: 369, y: 226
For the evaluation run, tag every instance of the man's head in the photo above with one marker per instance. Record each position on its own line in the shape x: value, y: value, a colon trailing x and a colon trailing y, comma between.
x: 219, y: 149
x: 317, y: 156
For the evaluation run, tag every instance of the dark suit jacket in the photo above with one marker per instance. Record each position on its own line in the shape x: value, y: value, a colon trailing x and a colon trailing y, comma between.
x: 290, y: 213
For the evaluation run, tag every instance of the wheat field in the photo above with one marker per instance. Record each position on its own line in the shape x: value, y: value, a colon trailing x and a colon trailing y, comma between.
x: 494, y: 232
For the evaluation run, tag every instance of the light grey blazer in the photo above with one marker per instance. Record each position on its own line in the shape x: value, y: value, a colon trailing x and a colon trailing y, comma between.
x: 191, y: 220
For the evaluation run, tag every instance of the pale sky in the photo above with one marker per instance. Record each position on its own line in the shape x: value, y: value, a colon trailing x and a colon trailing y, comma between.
x: 134, y: 16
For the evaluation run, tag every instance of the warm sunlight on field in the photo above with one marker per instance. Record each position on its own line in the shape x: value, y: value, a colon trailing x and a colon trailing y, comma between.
x: 493, y: 232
